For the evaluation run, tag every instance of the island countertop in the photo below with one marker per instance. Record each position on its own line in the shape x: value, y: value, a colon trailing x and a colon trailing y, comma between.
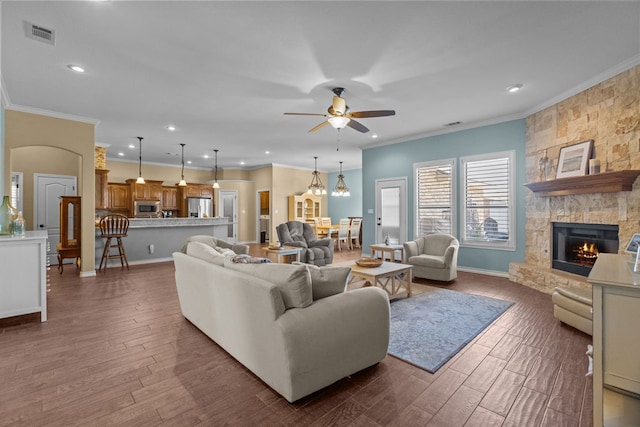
x: 176, y: 222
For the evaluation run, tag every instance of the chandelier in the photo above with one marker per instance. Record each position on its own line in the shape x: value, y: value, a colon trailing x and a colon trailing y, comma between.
x: 341, y: 189
x: 182, y: 182
x: 215, y: 182
x: 140, y: 179
x: 316, y: 187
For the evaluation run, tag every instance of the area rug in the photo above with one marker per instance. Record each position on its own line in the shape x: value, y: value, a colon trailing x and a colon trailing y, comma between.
x: 430, y: 328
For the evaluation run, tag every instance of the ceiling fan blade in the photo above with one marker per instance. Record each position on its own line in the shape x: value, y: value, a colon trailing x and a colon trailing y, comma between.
x: 375, y: 113
x: 357, y: 126
x: 321, y: 125
x: 305, y: 114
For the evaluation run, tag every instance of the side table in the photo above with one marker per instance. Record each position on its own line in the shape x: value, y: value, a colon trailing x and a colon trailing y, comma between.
x: 286, y: 254
x: 391, y: 249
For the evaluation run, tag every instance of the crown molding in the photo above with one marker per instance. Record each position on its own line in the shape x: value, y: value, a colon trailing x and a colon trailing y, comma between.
x: 54, y: 114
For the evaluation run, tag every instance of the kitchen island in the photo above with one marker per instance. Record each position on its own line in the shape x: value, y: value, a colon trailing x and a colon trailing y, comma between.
x: 155, y: 239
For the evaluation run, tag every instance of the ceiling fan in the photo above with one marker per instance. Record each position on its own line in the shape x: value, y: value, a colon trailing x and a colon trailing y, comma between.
x: 339, y: 115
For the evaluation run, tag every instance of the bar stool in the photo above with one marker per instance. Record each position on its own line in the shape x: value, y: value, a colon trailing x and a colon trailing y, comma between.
x: 113, y: 226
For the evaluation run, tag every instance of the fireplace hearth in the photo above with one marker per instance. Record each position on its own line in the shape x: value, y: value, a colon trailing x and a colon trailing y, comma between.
x: 576, y: 246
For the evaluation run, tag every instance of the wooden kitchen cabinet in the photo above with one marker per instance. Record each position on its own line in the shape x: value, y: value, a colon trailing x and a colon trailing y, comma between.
x: 150, y: 190
x: 197, y: 190
x: 118, y: 196
x: 169, y: 198
x: 102, y: 190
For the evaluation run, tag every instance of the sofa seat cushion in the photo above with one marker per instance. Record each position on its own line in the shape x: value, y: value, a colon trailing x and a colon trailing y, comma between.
x: 205, y: 253
x: 423, y: 260
x: 293, y: 281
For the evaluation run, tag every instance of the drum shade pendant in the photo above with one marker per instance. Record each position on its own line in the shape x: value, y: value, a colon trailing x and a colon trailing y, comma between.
x: 341, y: 189
x: 182, y: 182
x: 316, y: 187
x: 140, y: 179
x: 215, y: 181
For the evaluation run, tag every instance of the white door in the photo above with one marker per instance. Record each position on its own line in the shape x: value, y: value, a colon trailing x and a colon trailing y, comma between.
x: 391, y: 210
x: 48, y: 189
x: 228, y: 208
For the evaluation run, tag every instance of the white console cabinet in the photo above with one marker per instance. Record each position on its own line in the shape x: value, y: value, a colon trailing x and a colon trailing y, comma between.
x: 23, y: 274
x: 616, y: 341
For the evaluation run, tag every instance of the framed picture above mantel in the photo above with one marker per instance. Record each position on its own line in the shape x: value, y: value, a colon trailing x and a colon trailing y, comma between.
x: 574, y: 159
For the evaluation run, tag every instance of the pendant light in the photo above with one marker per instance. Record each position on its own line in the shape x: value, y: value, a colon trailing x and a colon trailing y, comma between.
x: 341, y: 189
x: 182, y: 182
x: 140, y: 179
x: 316, y: 187
x: 215, y: 182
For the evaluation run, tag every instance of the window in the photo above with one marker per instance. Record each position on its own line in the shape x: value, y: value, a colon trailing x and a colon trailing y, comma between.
x: 435, y: 197
x: 488, y: 194
x: 16, y: 190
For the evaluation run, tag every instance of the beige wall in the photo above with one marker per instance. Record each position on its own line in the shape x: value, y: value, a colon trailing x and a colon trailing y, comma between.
x: 48, y: 160
x: 32, y: 130
x: 121, y: 171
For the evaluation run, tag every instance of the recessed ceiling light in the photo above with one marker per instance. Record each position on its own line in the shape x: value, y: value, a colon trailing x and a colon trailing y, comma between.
x: 188, y: 162
x: 171, y: 127
x: 374, y: 136
x: 121, y: 154
x: 267, y: 152
x: 206, y: 156
x: 132, y: 146
x: 242, y: 163
x: 76, y: 68
x: 514, y: 88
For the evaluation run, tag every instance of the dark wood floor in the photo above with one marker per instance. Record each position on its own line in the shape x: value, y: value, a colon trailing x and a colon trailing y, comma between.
x: 116, y: 351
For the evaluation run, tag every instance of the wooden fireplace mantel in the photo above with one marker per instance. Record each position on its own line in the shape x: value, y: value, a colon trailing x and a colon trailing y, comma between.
x: 607, y: 182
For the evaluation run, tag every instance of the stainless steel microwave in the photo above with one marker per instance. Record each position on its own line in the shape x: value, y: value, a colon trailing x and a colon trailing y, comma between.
x: 147, y: 209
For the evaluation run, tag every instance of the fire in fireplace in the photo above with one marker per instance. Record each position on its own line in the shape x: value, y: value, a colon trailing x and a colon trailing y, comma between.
x: 576, y: 246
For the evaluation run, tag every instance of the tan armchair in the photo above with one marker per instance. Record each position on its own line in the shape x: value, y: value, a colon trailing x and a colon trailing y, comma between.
x: 434, y: 256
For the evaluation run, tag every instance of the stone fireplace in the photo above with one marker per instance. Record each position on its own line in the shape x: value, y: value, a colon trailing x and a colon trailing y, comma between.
x: 609, y: 114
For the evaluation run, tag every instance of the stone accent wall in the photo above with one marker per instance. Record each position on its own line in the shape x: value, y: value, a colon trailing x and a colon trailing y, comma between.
x: 609, y: 114
x: 100, y: 157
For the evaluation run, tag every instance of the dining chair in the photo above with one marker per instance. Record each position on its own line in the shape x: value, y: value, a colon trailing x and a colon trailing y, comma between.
x: 343, y: 233
x: 354, y: 232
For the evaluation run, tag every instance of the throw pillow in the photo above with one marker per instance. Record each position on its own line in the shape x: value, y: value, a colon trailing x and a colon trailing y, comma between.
x: 293, y: 281
x: 327, y: 280
x: 224, y: 251
x: 205, y: 252
x: 247, y: 259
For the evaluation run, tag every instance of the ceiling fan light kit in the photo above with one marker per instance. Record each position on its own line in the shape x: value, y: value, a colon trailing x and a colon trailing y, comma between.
x: 339, y: 115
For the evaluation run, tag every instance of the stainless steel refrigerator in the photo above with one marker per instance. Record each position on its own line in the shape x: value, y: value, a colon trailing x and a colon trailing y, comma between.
x: 199, y: 207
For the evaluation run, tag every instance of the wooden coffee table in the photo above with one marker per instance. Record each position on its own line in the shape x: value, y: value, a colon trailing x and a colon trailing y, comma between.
x: 286, y: 254
x: 390, y: 276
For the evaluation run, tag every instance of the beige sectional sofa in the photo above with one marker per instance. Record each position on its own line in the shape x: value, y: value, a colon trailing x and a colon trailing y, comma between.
x: 293, y: 326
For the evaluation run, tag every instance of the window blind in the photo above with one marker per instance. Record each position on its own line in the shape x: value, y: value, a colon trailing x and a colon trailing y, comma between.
x: 435, y: 198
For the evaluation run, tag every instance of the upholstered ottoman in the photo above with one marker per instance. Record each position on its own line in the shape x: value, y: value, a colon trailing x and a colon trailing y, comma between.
x: 573, y: 307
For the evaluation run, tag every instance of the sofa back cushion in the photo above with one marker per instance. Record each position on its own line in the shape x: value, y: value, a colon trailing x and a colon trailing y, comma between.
x: 205, y: 253
x: 327, y: 281
x: 293, y: 281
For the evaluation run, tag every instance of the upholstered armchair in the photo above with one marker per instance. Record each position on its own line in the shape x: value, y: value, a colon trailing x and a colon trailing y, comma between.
x: 434, y: 256
x: 300, y: 234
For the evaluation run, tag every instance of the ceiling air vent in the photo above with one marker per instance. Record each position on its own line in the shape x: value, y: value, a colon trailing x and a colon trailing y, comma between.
x: 453, y: 124
x: 41, y: 34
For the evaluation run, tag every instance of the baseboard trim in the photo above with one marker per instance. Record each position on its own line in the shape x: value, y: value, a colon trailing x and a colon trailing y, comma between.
x: 485, y: 272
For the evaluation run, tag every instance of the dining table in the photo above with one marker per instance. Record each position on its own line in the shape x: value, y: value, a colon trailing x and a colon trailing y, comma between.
x: 326, y: 230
